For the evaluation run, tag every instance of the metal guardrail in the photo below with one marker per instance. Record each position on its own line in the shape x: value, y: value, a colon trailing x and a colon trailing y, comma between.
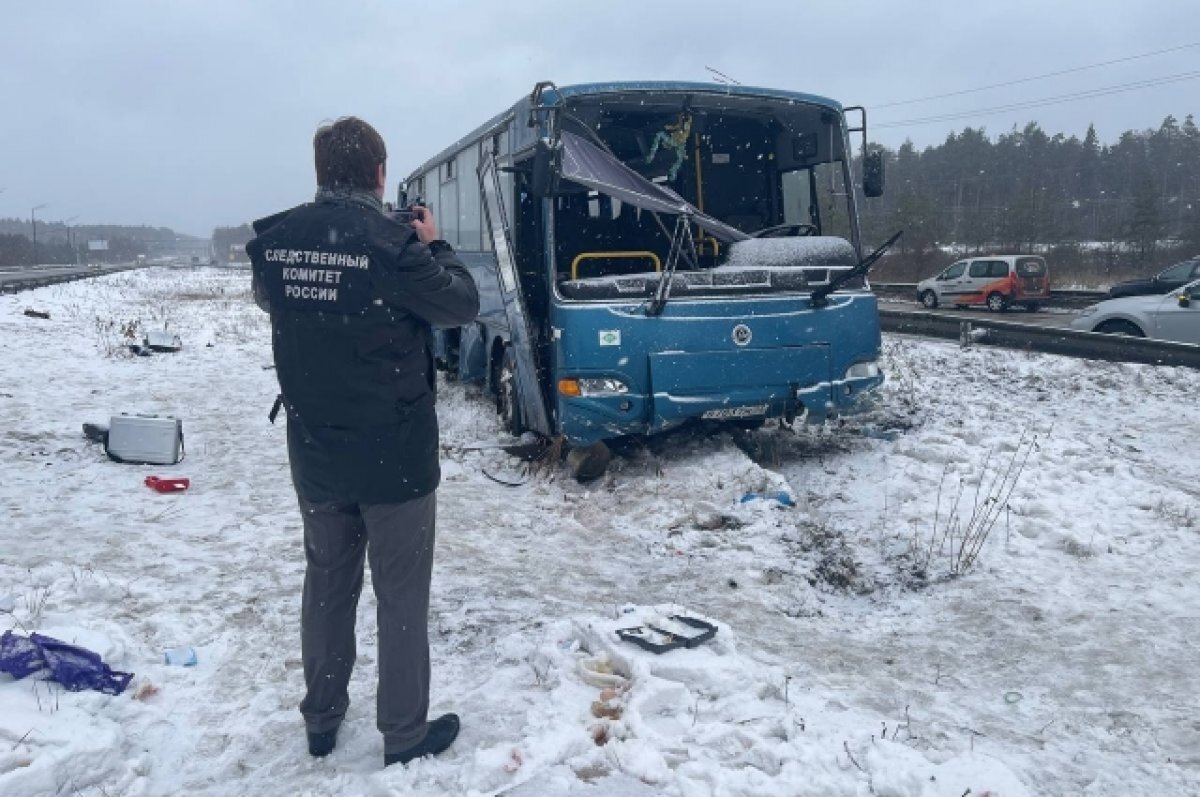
x: 27, y: 279
x: 1007, y: 334
x: 40, y: 281
x: 1068, y: 342
x: 47, y: 267
x: 1068, y: 297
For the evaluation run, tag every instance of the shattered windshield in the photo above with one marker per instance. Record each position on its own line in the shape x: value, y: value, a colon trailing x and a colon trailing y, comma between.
x: 629, y: 171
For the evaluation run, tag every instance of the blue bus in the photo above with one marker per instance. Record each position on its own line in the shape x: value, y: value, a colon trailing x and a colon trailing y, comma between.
x: 651, y: 253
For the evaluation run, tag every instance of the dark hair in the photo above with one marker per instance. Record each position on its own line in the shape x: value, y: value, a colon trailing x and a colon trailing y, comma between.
x: 347, y: 154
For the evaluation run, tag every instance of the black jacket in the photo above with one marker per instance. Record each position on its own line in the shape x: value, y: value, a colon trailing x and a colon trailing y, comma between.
x: 352, y: 294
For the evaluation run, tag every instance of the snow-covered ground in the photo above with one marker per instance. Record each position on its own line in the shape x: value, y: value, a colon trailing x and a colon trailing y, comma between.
x: 860, y: 649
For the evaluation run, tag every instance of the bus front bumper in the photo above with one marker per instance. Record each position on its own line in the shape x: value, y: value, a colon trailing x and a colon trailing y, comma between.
x: 584, y: 420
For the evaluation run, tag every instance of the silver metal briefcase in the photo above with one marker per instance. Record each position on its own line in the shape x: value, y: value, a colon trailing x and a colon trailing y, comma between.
x: 145, y: 439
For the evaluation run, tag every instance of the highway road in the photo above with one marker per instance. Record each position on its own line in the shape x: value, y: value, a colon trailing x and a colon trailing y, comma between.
x: 1015, y: 329
x: 21, y: 277
x: 1054, y: 318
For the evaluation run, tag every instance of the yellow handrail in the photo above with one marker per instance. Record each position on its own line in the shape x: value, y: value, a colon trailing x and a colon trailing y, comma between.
x: 612, y: 255
x: 700, y: 198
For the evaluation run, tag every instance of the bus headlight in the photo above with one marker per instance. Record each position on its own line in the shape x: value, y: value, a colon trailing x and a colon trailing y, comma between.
x: 592, y: 386
x: 869, y: 370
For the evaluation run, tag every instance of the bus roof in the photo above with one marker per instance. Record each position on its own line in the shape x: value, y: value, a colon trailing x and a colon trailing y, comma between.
x: 553, y: 96
x: 684, y: 86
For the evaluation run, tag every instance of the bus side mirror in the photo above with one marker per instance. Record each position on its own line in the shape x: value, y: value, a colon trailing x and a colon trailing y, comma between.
x: 547, y: 161
x: 873, y: 173
x: 1185, y: 300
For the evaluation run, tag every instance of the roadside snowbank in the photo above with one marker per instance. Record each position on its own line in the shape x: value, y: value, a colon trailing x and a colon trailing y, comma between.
x: 1062, y: 662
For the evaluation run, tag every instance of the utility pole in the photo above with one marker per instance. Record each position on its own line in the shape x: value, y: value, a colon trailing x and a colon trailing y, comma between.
x: 33, y: 221
x: 958, y: 189
x: 71, y: 242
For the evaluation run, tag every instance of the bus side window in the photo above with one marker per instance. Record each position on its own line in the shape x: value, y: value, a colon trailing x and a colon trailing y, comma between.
x: 797, y: 197
x: 831, y: 199
x: 447, y: 212
x: 469, y: 218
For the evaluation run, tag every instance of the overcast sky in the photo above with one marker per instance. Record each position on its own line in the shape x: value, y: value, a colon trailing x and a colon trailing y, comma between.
x: 198, y: 113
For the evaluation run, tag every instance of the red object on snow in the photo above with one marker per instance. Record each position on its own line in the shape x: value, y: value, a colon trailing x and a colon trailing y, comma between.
x: 167, y: 485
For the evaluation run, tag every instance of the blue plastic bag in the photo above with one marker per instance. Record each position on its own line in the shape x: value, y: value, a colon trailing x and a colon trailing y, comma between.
x: 20, y: 657
x: 780, y: 496
x: 74, y: 667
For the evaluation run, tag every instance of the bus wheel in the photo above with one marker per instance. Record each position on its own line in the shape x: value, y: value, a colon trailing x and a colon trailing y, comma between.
x: 453, y: 345
x: 507, y: 401
x: 588, y: 463
x: 996, y: 302
x: 929, y: 299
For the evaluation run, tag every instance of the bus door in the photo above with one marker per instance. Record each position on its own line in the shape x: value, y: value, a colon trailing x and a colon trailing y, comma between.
x: 529, y: 389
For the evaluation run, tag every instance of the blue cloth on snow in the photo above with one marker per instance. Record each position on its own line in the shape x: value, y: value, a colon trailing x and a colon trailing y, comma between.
x: 74, y: 667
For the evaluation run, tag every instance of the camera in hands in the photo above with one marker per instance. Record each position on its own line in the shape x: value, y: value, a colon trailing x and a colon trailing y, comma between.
x: 409, y: 213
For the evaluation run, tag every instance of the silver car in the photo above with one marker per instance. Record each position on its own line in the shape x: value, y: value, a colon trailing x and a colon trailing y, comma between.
x: 1175, y: 316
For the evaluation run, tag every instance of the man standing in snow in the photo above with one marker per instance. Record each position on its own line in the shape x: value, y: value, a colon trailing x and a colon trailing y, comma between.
x: 352, y: 293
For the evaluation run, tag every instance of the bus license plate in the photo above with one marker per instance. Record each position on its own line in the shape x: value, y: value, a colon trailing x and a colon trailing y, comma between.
x: 725, y: 413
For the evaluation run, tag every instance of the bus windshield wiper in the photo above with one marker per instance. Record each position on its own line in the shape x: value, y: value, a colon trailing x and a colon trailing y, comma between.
x: 820, y: 297
x: 681, y: 242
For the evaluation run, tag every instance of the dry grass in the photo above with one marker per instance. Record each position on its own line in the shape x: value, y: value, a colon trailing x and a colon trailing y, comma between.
x: 956, y: 538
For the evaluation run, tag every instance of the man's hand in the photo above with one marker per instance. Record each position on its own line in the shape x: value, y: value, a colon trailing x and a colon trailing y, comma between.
x: 424, y: 225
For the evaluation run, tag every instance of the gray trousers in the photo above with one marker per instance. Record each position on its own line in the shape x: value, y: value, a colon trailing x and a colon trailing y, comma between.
x: 397, y: 539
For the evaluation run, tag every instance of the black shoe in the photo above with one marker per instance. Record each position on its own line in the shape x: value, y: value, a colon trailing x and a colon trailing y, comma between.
x: 441, y: 734
x: 322, y: 744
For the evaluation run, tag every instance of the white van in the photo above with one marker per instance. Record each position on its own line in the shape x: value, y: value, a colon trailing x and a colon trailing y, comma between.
x: 998, y: 281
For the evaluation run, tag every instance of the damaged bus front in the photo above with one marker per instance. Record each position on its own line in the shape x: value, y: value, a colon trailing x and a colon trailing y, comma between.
x: 663, y: 252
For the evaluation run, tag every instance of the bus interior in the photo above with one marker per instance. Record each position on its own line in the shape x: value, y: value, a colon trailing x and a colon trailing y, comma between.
x: 753, y: 163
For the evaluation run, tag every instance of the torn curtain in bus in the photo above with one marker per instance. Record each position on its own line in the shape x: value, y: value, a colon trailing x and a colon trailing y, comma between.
x: 585, y: 163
